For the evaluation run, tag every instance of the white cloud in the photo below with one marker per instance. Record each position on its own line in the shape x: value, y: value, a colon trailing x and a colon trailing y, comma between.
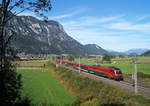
x: 113, y: 32
x: 90, y: 21
x: 72, y: 13
x: 143, y: 17
x: 129, y: 26
x: 109, y: 40
x: 68, y: 14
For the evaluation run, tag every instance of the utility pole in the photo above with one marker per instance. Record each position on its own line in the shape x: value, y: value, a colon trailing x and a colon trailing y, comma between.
x: 135, y: 75
x: 51, y: 58
x: 61, y: 58
x: 96, y: 61
x: 101, y: 59
x: 79, y: 64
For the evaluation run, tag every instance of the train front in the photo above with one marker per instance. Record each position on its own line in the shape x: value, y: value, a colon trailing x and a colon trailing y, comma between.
x: 118, y: 74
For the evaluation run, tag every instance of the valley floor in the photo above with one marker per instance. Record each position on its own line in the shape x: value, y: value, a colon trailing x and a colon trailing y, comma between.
x: 58, y: 86
x: 41, y: 87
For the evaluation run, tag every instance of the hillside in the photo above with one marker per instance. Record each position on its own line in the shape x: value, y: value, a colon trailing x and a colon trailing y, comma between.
x: 34, y: 36
x: 146, y: 53
x: 112, y: 52
x: 138, y: 51
x: 94, y: 49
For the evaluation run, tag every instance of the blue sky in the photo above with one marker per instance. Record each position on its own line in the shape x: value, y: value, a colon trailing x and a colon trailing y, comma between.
x: 112, y: 24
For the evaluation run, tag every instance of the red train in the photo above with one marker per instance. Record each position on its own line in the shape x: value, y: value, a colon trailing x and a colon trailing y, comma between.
x: 108, y: 72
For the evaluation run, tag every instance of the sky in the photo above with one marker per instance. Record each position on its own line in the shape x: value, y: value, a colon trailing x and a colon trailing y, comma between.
x: 112, y: 24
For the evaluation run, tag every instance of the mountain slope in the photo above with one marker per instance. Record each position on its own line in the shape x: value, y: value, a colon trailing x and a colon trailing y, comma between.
x: 94, y: 49
x: 112, y: 52
x: 147, y: 53
x: 138, y: 51
x: 36, y: 36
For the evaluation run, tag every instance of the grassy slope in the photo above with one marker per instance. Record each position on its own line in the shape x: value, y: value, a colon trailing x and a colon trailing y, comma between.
x: 42, y: 87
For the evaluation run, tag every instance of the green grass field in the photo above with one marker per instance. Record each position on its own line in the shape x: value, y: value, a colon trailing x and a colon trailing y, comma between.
x: 85, y: 61
x: 43, y: 88
x: 129, y: 68
x: 125, y: 64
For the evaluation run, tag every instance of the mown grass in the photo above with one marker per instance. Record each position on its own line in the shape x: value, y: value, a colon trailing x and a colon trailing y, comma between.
x: 93, y: 93
x: 43, y: 88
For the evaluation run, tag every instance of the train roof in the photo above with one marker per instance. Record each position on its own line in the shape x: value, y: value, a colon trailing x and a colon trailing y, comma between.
x: 95, y: 66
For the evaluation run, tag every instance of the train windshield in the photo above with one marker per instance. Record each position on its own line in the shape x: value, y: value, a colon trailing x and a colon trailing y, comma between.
x: 118, y: 72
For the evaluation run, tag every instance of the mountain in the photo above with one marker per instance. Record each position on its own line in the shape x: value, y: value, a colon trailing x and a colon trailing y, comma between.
x: 94, y: 49
x: 128, y: 52
x: 35, y: 36
x: 138, y: 51
x: 147, y: 53
x: 112, y: 52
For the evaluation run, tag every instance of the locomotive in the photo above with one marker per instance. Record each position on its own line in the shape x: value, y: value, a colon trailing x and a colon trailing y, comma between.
x: 103, y: 71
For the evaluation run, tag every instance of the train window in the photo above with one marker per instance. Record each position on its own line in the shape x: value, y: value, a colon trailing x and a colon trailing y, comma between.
x: 118, y: 72
x: 94, y: 67
x: 86, y: 68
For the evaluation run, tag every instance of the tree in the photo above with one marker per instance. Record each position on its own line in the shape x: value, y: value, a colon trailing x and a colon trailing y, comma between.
x: 10, y: 80
x: 71, y: 58
x: 107, y: 58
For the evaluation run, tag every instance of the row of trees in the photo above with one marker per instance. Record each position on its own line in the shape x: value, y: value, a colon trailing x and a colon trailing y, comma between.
x: 106, y: 58
x: 10, y: 80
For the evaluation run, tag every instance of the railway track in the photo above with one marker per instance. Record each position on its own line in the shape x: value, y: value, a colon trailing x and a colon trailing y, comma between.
x: 127, y: 84
x: 143, y: 88
x: 140, y: 83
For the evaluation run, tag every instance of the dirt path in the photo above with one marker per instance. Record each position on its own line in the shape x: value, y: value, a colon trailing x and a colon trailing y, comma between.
x: 30, y: 68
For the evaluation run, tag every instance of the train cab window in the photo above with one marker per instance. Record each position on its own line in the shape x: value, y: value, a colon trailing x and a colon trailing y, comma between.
x: 118, y: 72
x: 86, y: 68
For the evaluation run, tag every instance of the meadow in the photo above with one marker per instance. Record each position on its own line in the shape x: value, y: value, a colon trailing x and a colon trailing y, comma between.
x: 42, y: 88
x: 125, y: 64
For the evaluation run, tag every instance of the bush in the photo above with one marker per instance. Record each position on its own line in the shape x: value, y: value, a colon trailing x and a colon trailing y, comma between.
x: 106, y: 58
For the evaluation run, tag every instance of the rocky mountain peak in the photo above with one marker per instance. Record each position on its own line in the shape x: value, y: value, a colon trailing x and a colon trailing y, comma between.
x: 37, y: 36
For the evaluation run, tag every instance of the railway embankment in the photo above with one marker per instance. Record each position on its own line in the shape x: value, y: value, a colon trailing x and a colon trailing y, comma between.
x: 127, y: 84
x: 97, y: 92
